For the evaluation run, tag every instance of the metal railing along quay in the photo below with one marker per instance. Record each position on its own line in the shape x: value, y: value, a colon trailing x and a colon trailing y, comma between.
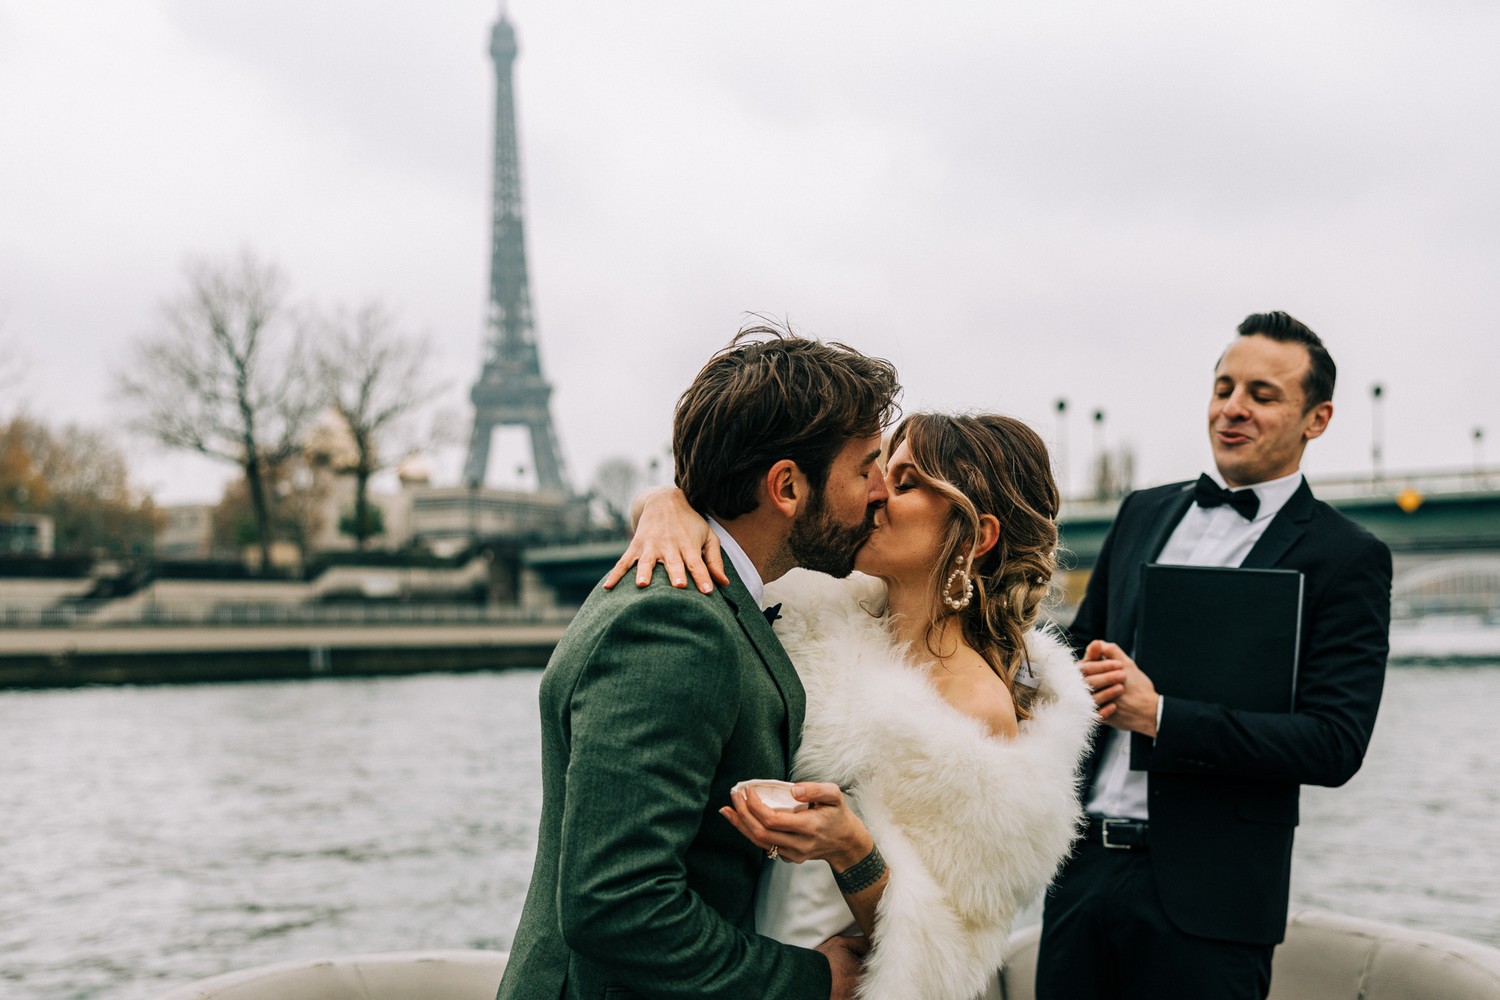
x: 82, y: 614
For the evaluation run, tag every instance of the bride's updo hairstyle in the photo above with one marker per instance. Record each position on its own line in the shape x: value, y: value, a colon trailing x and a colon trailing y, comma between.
x: 990, y: 464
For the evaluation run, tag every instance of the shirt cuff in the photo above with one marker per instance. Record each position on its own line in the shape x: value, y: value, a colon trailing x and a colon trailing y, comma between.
x: 1160, y: 702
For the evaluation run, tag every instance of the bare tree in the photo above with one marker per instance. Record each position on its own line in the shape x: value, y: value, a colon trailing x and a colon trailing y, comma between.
x: 373, y: 376
x: 224, y: 375
x: 615, y: 485
x: 296, y: 500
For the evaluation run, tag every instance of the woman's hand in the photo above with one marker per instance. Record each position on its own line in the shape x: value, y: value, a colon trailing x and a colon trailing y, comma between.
x: 828, y: 829
x: 669, y: 531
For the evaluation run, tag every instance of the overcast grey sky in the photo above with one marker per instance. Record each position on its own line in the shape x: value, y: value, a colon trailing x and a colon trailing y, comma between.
x: 1012, y: 201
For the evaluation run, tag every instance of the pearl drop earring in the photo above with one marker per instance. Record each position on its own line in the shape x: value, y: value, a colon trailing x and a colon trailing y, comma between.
x: 966, y: 587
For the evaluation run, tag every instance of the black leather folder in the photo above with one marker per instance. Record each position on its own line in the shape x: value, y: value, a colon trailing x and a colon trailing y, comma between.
x: 1223, y: 635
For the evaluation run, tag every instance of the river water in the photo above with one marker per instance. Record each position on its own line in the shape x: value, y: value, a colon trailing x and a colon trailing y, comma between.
x: 152, y: 836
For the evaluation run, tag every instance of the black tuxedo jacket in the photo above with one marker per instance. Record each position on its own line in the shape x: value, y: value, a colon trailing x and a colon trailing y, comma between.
x: 1223, y: 784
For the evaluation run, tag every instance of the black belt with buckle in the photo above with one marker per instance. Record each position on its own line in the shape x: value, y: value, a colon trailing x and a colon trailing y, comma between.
x: 1118, y: 834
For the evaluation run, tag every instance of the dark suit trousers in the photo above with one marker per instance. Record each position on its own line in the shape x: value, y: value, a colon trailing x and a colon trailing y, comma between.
x: 1105, y: 936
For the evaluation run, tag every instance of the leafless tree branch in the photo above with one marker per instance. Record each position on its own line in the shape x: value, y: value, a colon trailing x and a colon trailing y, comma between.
x: 223, y: 374
x: 374, y: 376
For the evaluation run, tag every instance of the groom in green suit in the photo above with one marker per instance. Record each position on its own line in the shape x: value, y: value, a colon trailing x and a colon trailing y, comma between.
x: 658, y: 700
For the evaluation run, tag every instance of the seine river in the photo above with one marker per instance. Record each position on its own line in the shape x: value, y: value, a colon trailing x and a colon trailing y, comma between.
x: 152, y: 836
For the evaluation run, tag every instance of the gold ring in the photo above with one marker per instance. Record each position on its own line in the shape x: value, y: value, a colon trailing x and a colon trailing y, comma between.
x: 774, y: 852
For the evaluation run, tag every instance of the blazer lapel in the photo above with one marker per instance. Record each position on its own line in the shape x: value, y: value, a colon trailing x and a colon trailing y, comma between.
x: 1155, y: 540
x: 1172, y: 514
x: 1289, y: 524
x: 777, y: 663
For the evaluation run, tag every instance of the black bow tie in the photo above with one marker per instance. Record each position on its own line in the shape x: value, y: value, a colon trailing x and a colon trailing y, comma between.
x: 1208, y: 493
x: 772, y: 613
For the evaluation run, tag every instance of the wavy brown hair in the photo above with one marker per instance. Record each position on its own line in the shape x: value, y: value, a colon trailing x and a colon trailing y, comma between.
x: 772, y: 395
x: 990, y: 464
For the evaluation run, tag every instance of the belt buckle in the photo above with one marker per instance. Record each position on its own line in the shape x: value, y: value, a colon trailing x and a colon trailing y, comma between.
x: 1104, y: 834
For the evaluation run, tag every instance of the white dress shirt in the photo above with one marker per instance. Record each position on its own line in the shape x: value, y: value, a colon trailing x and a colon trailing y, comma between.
x: 1206, y: 536
x: 749, y: 575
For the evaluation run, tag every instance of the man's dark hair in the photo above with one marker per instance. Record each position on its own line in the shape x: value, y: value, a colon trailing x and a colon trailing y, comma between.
x: 1317, y: 387
x: 772, y: 395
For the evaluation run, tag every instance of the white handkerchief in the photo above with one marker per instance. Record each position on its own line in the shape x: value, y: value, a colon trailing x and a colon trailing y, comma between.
x: 776, y: 794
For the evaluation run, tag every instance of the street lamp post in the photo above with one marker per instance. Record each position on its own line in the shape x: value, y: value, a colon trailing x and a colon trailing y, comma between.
x: 1377, y: 392
x: 1478, y: 452
x: 1062, y: 447
x: 1101, y: 460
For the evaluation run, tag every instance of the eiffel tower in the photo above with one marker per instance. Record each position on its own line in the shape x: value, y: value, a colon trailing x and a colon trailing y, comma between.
x: 511, y: 391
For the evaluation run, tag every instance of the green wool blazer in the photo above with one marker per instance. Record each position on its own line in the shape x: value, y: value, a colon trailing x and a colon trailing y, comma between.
x: 653, y: 705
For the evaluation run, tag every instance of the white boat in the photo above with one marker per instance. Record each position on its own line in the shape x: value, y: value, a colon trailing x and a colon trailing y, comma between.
x: 1325, y: 957
x: 1328, y: 956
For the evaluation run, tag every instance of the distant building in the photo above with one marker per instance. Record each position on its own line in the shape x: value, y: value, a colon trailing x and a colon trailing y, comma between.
x: 321, y: 477
x: 441, y: 519
x: 186, y: 531
x: 445, y: 519
x: 26, y: 535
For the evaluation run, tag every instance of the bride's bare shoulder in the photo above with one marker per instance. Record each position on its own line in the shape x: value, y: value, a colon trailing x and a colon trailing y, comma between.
x: 975, y: 690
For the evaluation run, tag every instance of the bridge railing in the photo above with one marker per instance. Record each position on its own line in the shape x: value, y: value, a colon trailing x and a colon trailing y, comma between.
x: 1391, y: 484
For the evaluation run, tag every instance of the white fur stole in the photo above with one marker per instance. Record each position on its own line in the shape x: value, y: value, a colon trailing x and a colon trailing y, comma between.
x: 972, y: 826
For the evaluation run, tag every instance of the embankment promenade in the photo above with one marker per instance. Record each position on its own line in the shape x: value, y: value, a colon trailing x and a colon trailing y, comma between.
x: 72, y: 657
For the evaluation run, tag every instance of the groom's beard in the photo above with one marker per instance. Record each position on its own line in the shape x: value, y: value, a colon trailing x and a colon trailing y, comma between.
x: 821, y: 543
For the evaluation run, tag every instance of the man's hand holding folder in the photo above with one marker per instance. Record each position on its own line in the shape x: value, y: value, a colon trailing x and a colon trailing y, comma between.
x: 1125, y: 695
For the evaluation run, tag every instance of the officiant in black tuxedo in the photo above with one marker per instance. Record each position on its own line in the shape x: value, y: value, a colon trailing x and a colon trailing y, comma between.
x: 1179, y: 885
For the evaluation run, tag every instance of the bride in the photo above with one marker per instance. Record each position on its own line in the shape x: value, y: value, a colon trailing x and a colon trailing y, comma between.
x: 936, y: 775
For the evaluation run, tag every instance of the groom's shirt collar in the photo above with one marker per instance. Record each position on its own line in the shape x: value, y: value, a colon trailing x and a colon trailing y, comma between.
x: 1273, y: 493
x: 741, y: 562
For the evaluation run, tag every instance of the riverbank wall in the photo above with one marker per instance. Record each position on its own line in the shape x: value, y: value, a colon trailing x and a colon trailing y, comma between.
x: 62, y: 658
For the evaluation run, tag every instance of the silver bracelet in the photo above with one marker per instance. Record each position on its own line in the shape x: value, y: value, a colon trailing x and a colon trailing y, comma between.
x: 860, y: 876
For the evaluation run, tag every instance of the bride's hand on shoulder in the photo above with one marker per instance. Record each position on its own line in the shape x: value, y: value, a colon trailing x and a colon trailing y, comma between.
x: 669, y: 531
x: 827, y: 830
